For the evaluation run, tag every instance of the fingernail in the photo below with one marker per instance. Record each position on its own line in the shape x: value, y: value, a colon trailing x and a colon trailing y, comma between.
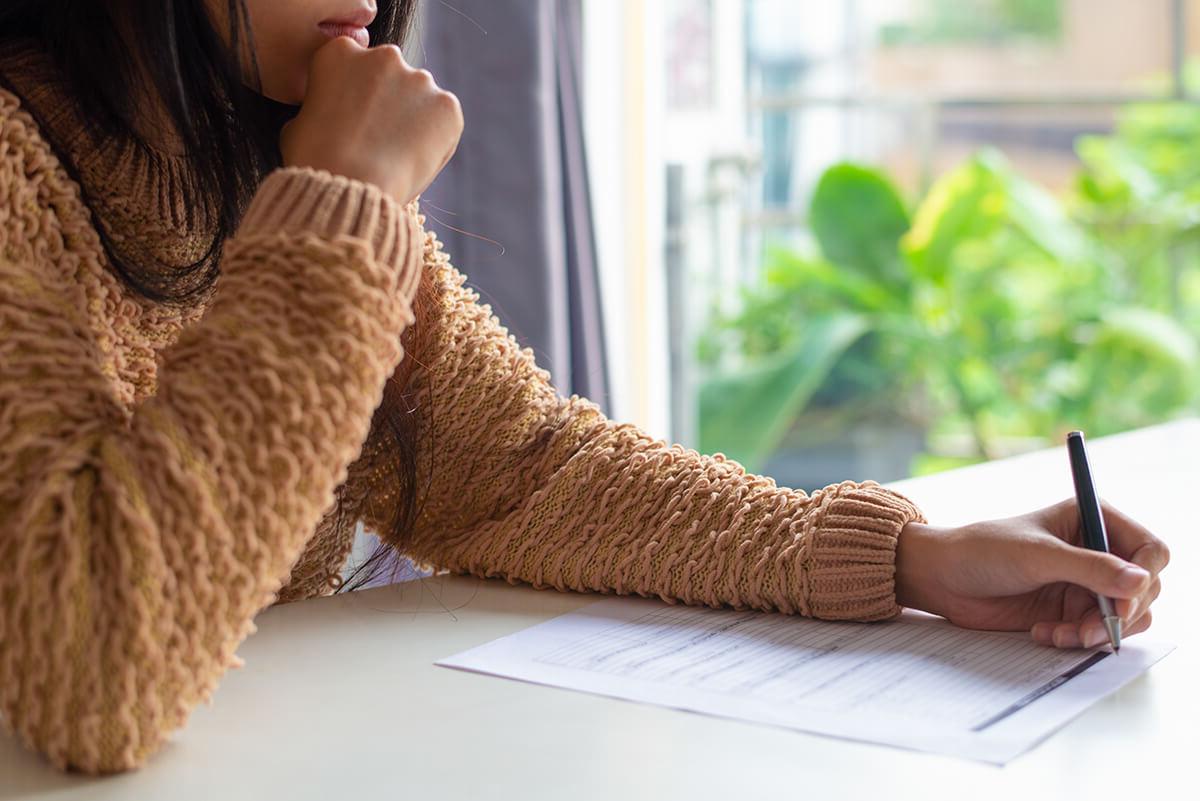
x: 1094, y: 637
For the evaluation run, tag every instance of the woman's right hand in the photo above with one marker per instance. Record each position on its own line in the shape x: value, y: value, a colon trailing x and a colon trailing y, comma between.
x: 368, y: 115
x: 1032, y: 573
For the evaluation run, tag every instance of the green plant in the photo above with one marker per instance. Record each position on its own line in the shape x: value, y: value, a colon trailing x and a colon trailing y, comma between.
x: 995, y: 309
x: 1139, y: 193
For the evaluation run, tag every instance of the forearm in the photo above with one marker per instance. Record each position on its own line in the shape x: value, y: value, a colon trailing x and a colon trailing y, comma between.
x: 626, y: 514
x: 518, y: 482
x: 147, y: 539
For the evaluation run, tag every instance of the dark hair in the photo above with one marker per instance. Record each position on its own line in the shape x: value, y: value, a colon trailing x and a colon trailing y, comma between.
x: 230, y: 135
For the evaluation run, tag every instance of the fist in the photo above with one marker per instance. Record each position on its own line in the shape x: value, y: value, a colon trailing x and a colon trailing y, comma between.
x: 368, y: 115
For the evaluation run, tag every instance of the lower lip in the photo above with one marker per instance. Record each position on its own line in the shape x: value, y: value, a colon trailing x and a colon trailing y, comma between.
x: 335, y: 29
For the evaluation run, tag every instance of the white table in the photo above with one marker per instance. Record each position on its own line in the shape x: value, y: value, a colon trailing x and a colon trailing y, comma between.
x: 339, y: 698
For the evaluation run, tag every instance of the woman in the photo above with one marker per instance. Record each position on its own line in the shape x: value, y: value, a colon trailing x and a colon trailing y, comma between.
x: 225, y: 338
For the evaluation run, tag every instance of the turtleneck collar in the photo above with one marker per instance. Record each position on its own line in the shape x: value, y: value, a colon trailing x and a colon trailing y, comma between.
x: 148, y: 200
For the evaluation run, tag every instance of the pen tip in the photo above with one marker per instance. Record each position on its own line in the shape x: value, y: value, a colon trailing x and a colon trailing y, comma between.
x: 1113, y: 625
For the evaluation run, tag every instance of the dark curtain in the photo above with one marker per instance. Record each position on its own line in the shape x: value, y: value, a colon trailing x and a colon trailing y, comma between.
x: 519, y: 176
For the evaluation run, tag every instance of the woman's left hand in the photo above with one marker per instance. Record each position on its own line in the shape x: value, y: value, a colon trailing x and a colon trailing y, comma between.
x: 1032, y: 573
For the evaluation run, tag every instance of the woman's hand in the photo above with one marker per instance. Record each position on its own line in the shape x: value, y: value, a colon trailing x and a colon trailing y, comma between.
x: 1032, y: 573
x: 368, y: 115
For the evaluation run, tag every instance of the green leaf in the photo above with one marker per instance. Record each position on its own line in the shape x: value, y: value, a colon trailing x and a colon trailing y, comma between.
x: 1037, y: 214
x: 1139, y: 368
x: 1159, y: 337
x: 813, y: 282
x: 976, y: 201
x: 858, y: 219
x: 746, y: 414
x: 962, y: 205
x: 1113, y: 170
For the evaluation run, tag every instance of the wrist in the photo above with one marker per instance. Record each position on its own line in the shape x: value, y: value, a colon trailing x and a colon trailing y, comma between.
x: 917, y: 549
x: 395, y: 178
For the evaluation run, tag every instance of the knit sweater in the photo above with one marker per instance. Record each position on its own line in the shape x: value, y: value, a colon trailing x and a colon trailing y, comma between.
x: 166, y: 474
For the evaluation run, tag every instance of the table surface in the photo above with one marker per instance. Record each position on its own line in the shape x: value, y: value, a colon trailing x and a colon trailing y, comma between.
x: 340, y: 698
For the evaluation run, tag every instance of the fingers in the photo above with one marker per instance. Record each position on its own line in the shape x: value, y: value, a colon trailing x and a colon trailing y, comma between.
x: 1043, y: 633
x: 1131, y: 608
x: 1139, y: 625
x: 1133, y: 541
x: 1081, y: 634
x: 1154, y: 556
x: 1072, y: 634
x: 1127, y: 538
x: 1099, y: 572
x: 1086, y: 633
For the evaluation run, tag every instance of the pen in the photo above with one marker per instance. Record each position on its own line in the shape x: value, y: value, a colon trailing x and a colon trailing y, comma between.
x: 1094, y: 534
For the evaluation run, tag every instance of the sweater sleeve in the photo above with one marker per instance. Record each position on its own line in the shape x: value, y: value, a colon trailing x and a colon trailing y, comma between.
x: 136, y: 545
x: 521, y: 483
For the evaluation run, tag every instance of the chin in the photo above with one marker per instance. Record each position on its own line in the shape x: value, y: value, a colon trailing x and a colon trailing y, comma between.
x: 289, y: 90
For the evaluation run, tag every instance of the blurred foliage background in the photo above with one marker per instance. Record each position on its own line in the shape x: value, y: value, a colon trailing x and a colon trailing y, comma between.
x: 988, y: 315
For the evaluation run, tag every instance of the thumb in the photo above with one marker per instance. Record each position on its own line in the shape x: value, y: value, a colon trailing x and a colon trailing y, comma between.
x: 1099, y: 572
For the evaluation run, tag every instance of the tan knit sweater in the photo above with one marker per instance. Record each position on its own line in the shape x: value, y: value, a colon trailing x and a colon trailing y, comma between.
x: 166, y: 475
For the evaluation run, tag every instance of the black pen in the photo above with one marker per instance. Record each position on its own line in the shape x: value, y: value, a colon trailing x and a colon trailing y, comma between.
x: 1095, y: 536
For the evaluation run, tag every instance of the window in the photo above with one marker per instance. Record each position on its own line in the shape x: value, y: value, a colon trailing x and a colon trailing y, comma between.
x: 902, y: 236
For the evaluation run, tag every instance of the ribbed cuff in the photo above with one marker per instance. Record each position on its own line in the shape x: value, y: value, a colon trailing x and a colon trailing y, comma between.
x: 851, y: 555
x: 305, y: 200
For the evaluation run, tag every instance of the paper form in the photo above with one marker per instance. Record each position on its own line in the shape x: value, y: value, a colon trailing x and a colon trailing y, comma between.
x: 917, y: 682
